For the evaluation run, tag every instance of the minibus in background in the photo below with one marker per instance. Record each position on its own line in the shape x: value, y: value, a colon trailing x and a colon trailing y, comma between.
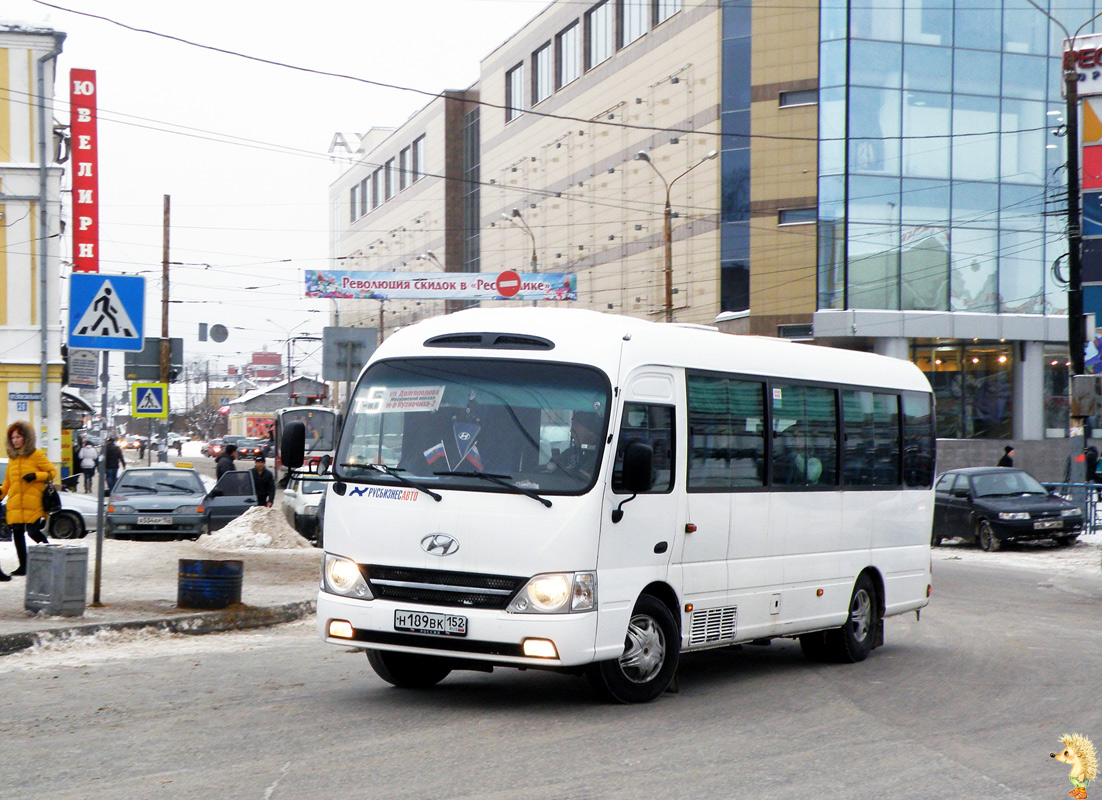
x: 321, y: 427
x: 570, y: 490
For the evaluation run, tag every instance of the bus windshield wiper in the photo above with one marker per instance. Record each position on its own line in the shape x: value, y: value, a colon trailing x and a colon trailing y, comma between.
x: 396, y: 473
x: 500, y: 480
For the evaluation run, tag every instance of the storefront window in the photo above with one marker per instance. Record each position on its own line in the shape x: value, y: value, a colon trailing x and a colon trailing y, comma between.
x: 972, y: 387
x: 1056, y: 393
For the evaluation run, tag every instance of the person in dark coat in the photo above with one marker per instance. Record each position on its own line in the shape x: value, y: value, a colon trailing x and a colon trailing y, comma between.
x: 1008, y: 457
x: 225, y: 463
x: 112, y: 462
x: 265, y: 484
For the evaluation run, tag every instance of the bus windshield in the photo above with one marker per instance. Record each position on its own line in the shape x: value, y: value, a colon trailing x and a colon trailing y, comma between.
x: 321, y: 426
x: 536, y: 426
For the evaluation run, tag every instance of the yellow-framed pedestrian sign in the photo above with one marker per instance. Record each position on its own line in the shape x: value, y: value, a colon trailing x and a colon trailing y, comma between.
x: 149, y: 400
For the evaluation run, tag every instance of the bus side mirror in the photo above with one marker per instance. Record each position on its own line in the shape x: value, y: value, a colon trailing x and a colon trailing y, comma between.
x: 292, y: 447
x: 638, y: 473
x: 324, y: 463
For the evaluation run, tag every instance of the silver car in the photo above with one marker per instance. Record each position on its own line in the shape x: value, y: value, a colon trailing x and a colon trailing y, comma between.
x: 157, y: 501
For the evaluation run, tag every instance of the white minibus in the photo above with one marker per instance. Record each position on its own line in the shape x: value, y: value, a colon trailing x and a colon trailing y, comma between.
x: 571, y: 490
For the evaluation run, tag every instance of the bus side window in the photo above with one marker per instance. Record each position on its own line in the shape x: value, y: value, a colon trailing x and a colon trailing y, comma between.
x: 652, y: 425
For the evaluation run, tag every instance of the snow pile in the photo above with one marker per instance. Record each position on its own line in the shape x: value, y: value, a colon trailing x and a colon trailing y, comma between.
x: 256, y: 529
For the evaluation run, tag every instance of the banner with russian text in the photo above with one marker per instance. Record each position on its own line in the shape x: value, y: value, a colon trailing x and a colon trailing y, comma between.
x: 507, y: 285
x: 85, y: 157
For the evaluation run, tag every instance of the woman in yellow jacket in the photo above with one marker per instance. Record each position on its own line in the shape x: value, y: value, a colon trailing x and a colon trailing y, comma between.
x: 24, y: 482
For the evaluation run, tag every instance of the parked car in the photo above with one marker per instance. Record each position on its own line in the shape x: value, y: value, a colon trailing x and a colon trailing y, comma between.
x: 300, y: 505
x: 251, y: 448
x: 993, y: 505
x: 173, y: 501
x: 76, y: 518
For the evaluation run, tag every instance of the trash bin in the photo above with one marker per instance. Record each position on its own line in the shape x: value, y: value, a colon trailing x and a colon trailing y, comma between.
x: 209, y: 584
x: 57, y: 579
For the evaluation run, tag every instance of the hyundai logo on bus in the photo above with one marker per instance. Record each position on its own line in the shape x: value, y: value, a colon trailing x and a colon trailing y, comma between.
x: 439, y: 544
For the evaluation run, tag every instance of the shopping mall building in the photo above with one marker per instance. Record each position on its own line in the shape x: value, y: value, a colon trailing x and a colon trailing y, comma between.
x: 885, y: 177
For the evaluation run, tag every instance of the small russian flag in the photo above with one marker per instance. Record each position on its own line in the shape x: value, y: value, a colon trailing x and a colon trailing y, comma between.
x: 435, y: 453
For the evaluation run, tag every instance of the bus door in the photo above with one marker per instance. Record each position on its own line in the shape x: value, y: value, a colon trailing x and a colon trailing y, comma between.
x: 647, y: 533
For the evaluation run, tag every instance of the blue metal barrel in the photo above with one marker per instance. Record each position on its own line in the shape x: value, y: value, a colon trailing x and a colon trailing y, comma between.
x: 209, y: 584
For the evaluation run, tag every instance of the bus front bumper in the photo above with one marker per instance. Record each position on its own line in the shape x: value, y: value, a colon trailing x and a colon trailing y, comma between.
x: 492, y: 636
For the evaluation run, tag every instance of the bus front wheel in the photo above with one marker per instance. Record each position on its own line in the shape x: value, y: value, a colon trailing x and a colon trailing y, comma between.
x: 645, y: 669
x: 406, y: 670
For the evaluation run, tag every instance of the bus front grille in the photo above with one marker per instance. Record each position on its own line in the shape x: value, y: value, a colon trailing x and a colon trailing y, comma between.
x: 440, y: 588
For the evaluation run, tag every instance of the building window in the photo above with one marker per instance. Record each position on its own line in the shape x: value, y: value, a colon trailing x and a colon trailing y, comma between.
x: 802, y: 97
x: 664, y: 9
x: 514, y: 93
x: 388, y: 179
x: 599, y: 29
x: 567, y: 51
x: 972, y: 388
x: 635, y: 16
x: 364, y: 207
x: 418, y: 158
x: 376, y: 194
x: 404, y: 169
x: 352, y: 216
x: 1056, y: 392
x: 797, y: 216
x: 543, y: 74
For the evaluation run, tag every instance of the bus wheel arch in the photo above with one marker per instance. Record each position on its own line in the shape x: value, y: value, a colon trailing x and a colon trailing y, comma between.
x: 652, y: 650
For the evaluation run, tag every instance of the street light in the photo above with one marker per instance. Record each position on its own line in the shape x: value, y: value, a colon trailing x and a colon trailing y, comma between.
x: 668, y: 226
x: 288, y: 339
x: 518, y: 220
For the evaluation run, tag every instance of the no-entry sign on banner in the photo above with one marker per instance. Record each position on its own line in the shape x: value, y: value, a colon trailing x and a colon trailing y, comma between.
x: 85, y: 154
x: 507, y: 285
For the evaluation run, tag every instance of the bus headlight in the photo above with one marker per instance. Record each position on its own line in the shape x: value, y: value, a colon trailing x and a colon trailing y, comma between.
x: 557, y: 593
x: 342, y: 576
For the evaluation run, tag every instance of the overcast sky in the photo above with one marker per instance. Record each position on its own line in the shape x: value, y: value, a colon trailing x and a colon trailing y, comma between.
x: 242, y: 147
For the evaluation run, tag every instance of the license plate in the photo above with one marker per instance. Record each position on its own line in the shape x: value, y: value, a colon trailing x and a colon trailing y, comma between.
x: 1044, y: 524
x: 431, y: 623
x: 154, y: 520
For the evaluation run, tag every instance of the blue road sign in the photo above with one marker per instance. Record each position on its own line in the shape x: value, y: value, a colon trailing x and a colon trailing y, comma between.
x: 106, y: 312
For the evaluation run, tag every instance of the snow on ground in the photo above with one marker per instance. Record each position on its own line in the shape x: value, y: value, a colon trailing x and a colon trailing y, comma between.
x: 256, y: 529
x: 1084, y: 557
x: 106, y: 646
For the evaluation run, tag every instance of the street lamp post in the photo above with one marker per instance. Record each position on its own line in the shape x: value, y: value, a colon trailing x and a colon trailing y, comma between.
x: 667, y: 228
x: 517, y: 219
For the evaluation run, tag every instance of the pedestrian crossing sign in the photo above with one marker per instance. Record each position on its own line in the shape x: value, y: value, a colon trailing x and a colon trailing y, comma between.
x: 149, y: 400
x: 106, y: 312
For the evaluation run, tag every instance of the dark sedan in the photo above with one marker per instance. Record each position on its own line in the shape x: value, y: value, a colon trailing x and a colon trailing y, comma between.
x: 251, y: 448
x: 992, y: 505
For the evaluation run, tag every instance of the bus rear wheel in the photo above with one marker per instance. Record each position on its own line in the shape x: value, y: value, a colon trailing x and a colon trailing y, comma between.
x: 853, y: 641
x: 652, y: 648
x: 407, y: 670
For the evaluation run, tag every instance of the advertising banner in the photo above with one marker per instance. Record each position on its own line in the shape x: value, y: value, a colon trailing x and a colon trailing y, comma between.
x: 507, y: 285
x: 85, y: 155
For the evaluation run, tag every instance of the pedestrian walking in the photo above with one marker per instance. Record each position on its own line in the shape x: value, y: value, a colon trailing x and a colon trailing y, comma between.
x: 265, y: 484
x: 1008, y: 457
x: 25, y: 480
x: 113, y: 461
x: 88, y: 457
x: 225, y: 463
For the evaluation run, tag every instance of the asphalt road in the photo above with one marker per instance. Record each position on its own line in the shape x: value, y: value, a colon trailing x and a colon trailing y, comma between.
x: 968, y: 702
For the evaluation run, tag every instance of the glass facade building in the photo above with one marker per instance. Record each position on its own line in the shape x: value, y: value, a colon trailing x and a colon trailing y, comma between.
x: 942, y: 185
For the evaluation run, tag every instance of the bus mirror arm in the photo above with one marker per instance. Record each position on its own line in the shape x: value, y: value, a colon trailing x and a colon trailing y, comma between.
x: 618, y: 512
